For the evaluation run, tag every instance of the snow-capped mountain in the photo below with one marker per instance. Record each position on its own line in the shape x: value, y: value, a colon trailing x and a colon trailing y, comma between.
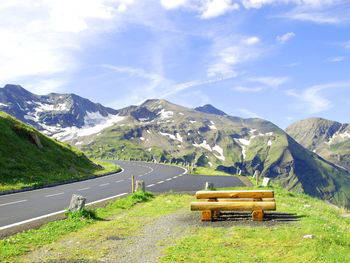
x: 160, y: 130
x: 62, y: 116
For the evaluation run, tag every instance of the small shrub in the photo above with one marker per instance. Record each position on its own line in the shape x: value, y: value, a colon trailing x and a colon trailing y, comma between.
x: 82, y: 214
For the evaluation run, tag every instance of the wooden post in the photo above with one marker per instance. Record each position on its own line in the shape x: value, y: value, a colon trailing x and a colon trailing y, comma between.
x: 257, y: 174
x: 209, y: 186
x: 206, y: 215
x: 258, y: 214
x: 132, y: 184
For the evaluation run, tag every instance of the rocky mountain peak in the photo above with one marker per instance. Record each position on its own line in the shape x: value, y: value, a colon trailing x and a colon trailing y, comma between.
x: 208, y: 108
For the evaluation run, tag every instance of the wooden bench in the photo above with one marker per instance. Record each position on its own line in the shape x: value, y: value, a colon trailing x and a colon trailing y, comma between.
x: 213, y: 202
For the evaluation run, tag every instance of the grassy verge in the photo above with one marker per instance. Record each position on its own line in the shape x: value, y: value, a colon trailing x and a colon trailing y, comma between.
x: 208, y: 171
x: 279, y: 242
x: 22, y: 243
x: 107, y: 167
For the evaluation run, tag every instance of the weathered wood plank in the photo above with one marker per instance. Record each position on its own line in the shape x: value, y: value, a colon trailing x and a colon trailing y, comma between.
x: 235, y: 194
x: 239, y: 200
x: 233, y: 206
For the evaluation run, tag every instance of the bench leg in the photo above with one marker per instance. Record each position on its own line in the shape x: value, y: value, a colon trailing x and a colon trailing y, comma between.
x: 258, y: 215
x: 207, y: 215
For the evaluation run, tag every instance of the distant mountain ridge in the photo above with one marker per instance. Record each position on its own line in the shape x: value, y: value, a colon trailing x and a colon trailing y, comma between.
x: 57, y: 115
x: 210, y: 109
x: 205, y: 136
x: 329, y: 139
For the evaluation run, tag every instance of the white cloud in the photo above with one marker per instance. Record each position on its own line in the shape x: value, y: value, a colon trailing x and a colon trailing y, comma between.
x: 42, y: 38
x: 206, y: 8
x: 270, y: 81
x: 247, y: 89
x: 311, y: 98
x: 251, y: 40
x: 315, y: 17
x: 248, y: 113
x: 171, y: 4
x: 311, y: 3
x: 337, y: 59
x: 229, y: 53
x: 214, y: 8
x: 285, y: 37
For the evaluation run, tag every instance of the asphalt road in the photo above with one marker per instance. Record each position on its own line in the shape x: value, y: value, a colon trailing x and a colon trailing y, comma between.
x: 24, y: 207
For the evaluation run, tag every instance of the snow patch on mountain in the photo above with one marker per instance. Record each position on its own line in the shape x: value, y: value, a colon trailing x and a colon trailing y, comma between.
x: 204, y: 145
x: 163, y: 114
x: 338, y: 137
x: 244, y: 143
x: 220, y: 151
x: 212, y: 126
x: 93, y: 124
x: 171, y: 136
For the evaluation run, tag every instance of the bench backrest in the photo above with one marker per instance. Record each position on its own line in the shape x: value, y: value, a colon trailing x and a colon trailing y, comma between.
x: 255, y: 194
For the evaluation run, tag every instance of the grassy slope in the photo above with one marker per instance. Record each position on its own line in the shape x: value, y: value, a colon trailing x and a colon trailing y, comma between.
x: 282, y: 242
x: 244, y: 242
x: 24, y: 164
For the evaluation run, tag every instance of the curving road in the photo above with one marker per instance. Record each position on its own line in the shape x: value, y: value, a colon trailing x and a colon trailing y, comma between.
x: 24, y: 207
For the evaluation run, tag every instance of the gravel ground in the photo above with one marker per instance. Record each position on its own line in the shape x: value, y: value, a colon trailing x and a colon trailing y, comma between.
x: 147, y: 246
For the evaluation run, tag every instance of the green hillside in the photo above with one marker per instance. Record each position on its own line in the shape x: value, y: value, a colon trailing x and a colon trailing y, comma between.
x: 223, y: 143
x: 30, y: 159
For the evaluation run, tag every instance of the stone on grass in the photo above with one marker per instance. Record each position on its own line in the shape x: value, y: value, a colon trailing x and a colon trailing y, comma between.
x: 266, y: 181
x: 309, y: 236
x: 209, y: 186
x: 77, y: 203
x: 140, y: 186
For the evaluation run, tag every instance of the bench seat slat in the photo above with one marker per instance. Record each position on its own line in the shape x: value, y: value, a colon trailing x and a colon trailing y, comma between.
x: 238, y: 200
x: 233, y: 206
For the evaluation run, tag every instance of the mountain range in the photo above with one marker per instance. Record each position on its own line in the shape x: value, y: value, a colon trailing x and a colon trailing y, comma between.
x: 204, y: 136
x: 329, y: 139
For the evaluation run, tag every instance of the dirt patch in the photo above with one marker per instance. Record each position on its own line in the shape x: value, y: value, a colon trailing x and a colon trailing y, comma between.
x: 148, y: 245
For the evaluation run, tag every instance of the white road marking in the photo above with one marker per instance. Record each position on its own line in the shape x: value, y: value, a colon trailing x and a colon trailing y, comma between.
x: 56, y: 213
x: 83, y: 189
x: 160, y: 182
x: 150, y: 185
x: 104, y: 184
x: 169, y: 179
x: 15, y: 202
x: 45, y: 188
x: 54, y: 194
x: 174, y: 177
x: 105, y: 199
x: 119, y: 181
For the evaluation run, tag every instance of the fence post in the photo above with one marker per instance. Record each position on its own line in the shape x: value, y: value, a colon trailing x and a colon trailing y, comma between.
x: 132, y: 184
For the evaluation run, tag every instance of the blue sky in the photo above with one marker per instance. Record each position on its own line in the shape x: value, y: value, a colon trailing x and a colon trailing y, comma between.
x: 281, y: 60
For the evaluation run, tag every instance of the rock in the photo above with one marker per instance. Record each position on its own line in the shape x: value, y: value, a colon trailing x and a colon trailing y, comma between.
x: 209, y: 186
x: 140, y: 186
x: 77, y: 203
x: 266, y: 181
x: 36, y: 140
x: 309, y: 236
